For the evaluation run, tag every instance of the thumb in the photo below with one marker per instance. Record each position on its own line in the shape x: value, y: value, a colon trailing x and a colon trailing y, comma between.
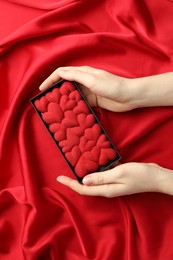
x: 99, y: 178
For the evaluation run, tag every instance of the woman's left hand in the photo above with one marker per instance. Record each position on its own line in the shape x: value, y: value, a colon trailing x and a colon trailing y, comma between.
x: 124, y: 179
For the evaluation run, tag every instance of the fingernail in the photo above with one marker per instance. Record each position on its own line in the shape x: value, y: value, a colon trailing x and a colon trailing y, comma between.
x: 40, y: 88
x: 87, y: 180
x: 60, y: 178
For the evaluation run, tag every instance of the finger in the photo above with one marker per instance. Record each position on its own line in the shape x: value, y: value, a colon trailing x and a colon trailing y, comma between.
x: 154, y: 164
x: 103, y: 190
x: 100, y: 178
x: 53, y: 78
x: 78, y: 75
x: 86, y: 69
x: 62, y: 72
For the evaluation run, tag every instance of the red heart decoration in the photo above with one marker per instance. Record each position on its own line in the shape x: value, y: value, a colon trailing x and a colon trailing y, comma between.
x: 70, y: 119
x: 54, y: 114
x: 70, y: 142
x: 54, y: 127
x: 73, y: 139
x: 41, y: 104
x: 75, y: 95
x: 59, y: 131
x: 78, y: 130
x: 66, y: 88
x: 89, y: 134
x: 106, y: 155
x: 60, y: 134
x: 81, y: 108
x: 50, y: 97
x: 93, y: 133
x: 92, y: 155
x: 103, y: 142
x: 73, y: 156
x: 65, y: 146
x: 67, y: 104
x: 85, y: 144
x: 54, y: 95
x: 86, y: 121
x: 84, y: 167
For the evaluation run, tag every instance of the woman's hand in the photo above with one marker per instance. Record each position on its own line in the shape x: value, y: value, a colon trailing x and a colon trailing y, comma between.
x: 116, y: 93
x: 124, y: 179
x: 101, y: 88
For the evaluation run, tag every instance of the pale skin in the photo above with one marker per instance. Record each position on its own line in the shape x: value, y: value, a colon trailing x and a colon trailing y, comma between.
x: 122, y: 95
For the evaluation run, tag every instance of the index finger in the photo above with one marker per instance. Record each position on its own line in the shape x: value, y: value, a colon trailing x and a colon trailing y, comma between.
x: 54, y: 77
x: 80, y: 74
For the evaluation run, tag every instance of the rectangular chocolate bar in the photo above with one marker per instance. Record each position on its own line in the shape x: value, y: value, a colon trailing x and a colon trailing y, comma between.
x: 75, y: 129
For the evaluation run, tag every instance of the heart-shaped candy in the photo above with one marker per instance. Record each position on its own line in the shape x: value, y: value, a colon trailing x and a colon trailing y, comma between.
x: 66, y: 146
x: 103, y: 142
x: 78, y: 130
x: 93, y: 133
x: 73, y: 139
x: 60, y: 134
x: 75, y: 95
x: 58, y: 130
x: 54, y: 114
x: 81, y: 108
x: 106, y: 155
x: 70, y: 119
x: 86, y: 121
x: 54, y: 95
x: 66, y: 88
x: 85, y: 144
x: 93, y: 155
x: 66, y: 103
x: 41, y: 104
x: 73, y: 156
x: 50, y: 97
x: 54, y: 127
x: 70, y: 142
x: 84, y: 167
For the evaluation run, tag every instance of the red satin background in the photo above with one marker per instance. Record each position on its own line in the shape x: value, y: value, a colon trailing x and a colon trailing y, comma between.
x: 41, y: 219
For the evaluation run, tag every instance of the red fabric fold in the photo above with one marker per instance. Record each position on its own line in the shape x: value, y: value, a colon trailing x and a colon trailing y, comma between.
x: 40, y: 218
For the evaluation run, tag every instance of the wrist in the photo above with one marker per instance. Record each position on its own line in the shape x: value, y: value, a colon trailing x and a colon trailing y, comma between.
x: 134, y: 93
x: 165, y: 183
x: 154, y: 90
x: 130, y: 93
x: 144, y: 94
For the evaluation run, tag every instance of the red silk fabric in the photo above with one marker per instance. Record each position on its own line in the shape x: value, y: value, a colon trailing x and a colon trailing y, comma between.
x: 41, y: 219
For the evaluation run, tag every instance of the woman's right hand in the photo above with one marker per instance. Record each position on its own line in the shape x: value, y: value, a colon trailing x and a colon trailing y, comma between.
x: 100, y: 88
